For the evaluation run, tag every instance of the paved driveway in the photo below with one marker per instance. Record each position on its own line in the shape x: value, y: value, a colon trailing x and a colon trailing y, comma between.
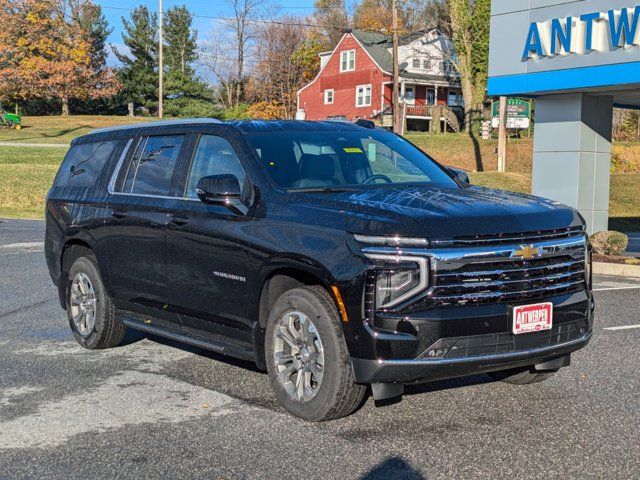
x: 153, y: 409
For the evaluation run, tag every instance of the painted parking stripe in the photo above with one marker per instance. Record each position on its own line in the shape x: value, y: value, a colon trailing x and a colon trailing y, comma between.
x: 625, y: 327
x: 12, y: 246
x: 608, y: 289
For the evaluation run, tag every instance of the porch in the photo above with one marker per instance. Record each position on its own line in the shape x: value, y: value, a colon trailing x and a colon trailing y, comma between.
x: 424, y: 103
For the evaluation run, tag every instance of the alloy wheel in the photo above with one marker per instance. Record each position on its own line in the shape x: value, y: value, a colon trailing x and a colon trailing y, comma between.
x: 298, y: 355
x: 83, y: 304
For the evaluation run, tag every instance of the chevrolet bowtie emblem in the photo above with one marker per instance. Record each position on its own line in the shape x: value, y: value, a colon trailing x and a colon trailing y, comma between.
x: 527, y: 252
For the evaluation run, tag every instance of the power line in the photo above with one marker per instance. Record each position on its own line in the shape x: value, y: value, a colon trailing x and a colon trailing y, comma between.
x: 255, y: 21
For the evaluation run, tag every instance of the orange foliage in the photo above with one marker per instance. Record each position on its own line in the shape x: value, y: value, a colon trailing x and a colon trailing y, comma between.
x: 44, y: 54
x: 267, y: 111
x: 374, y: 17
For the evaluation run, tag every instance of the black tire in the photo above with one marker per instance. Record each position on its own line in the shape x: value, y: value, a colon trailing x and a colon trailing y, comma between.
x: 337, y: 394
x: 522, y: 376
x: 107, y: 332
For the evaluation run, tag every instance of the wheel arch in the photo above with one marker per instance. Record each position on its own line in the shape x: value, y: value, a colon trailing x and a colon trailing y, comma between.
x: 276, y: 279
x: 72, y: 248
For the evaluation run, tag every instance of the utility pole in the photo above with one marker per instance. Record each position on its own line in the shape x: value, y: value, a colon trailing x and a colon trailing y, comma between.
x: 160, y: 63
x: 502, y: 136
x: 395, y: 103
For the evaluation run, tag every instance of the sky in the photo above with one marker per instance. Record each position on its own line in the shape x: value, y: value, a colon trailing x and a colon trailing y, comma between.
x: 114, y: 10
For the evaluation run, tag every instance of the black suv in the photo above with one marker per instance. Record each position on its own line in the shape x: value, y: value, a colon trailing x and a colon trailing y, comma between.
x: 333, y: 255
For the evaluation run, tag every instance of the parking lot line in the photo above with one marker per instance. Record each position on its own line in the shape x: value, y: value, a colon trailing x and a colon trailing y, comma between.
x: 624, y: 327
x: 23, y: 245
x: 616, y: 288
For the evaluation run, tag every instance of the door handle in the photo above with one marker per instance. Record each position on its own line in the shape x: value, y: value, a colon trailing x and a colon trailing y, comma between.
x: 118, y: 214
x: 179, y: 221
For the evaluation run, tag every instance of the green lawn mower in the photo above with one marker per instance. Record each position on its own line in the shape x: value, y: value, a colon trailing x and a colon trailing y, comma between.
x: 9, y: 120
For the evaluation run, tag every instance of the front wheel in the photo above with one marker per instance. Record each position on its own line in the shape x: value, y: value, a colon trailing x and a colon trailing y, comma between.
x: 307, y: 357
x: 522, y: 376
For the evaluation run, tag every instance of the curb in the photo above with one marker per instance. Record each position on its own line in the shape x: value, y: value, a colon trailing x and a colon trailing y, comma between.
x: 619, y: 270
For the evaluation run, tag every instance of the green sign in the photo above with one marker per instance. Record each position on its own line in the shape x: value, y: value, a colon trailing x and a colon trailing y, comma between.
x: 515, y: 108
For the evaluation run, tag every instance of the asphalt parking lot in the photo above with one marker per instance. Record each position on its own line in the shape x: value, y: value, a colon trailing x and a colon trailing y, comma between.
x: 152, y: 409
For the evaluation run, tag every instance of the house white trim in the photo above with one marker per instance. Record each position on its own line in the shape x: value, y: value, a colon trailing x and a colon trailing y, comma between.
x: 326, y: 94
x: 347, y: 60
x: 364, y: 95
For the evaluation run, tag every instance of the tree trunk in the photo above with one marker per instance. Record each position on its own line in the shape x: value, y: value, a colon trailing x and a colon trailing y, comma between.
x: 65, y: 107
x: 467, y: 95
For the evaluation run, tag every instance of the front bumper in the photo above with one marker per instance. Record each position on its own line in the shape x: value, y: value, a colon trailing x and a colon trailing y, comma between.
x: 431, y: 369
x: 448, y: 343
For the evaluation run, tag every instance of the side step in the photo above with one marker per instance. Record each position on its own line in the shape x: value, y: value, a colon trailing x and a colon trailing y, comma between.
x: 190, y: 336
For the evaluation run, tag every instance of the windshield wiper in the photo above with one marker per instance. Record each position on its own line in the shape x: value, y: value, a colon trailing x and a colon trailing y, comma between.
x: 321, y: 190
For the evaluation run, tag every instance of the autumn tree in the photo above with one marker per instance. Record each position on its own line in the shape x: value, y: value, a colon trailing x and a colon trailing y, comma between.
x: 469, y: 29
x: 283, y: 66
x: 228, y: 52
x: 139, y: 72
x: 374, y: 15
x: 331, y: 18
x: 45, y: 53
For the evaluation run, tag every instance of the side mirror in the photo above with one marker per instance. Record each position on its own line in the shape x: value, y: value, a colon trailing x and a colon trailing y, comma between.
x: 459, y: 174
x: 220, y: 190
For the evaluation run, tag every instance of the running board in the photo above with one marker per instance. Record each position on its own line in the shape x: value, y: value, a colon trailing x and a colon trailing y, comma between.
x: 190, y: 336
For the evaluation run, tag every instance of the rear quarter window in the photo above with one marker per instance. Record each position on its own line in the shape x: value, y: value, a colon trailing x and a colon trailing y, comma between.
x: 83, y: 163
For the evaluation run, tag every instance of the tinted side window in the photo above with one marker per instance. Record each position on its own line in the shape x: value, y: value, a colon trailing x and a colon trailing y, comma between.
x: 152, y: 167
x: 83, y: 164
x: 214, y: 156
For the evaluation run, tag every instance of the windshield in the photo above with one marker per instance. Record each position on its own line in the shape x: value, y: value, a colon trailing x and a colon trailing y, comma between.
x: 335, y: 159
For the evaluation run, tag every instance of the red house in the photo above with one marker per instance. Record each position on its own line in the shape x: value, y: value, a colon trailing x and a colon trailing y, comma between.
x: 355, y: 81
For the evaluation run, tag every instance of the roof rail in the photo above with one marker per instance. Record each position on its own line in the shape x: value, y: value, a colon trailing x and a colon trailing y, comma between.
x: 162, y: 123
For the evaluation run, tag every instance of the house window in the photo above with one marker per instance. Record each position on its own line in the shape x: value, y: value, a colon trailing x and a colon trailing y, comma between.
x: 348, y: 61
x: 328, y: 96
x: 363, y: 96
x: 426, y: 64
x: 409, y: 95
x: 416, y: 63
x: 454, y: 99
x: 447, y: 68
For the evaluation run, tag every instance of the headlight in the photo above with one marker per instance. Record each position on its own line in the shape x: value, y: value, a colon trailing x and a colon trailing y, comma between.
x: 399, y: 279
x: 391, y: 285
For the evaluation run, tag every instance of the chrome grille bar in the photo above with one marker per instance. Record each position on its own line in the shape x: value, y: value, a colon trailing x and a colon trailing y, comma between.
x: 529, y: 237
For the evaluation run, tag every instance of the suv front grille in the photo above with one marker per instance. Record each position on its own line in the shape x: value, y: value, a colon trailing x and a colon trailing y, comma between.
x: 461, y: 276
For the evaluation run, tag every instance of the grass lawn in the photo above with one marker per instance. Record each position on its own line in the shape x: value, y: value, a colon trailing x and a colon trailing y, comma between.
x: 27, y: 173
x: 61, y: 130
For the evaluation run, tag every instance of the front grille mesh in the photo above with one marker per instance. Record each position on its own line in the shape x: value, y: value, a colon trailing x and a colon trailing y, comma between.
x: 497, y: 343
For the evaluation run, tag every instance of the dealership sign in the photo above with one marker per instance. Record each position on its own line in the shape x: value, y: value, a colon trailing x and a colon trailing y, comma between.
x: 597, y: 31
x: 518, y: 114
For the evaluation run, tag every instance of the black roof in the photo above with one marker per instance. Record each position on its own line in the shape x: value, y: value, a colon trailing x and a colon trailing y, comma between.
x: 244, y: 126
x: 253, y: 126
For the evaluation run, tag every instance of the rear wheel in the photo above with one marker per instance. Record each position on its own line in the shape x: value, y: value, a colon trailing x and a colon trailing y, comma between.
x: 522, y: 376
x: 307, y: 357
x: 90, y: 312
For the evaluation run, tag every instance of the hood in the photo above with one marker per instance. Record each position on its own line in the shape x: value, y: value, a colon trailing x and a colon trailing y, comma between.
x: 436, y: 212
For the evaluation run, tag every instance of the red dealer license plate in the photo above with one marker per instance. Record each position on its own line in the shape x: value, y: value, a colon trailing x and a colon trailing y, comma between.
x: 532, y: 318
